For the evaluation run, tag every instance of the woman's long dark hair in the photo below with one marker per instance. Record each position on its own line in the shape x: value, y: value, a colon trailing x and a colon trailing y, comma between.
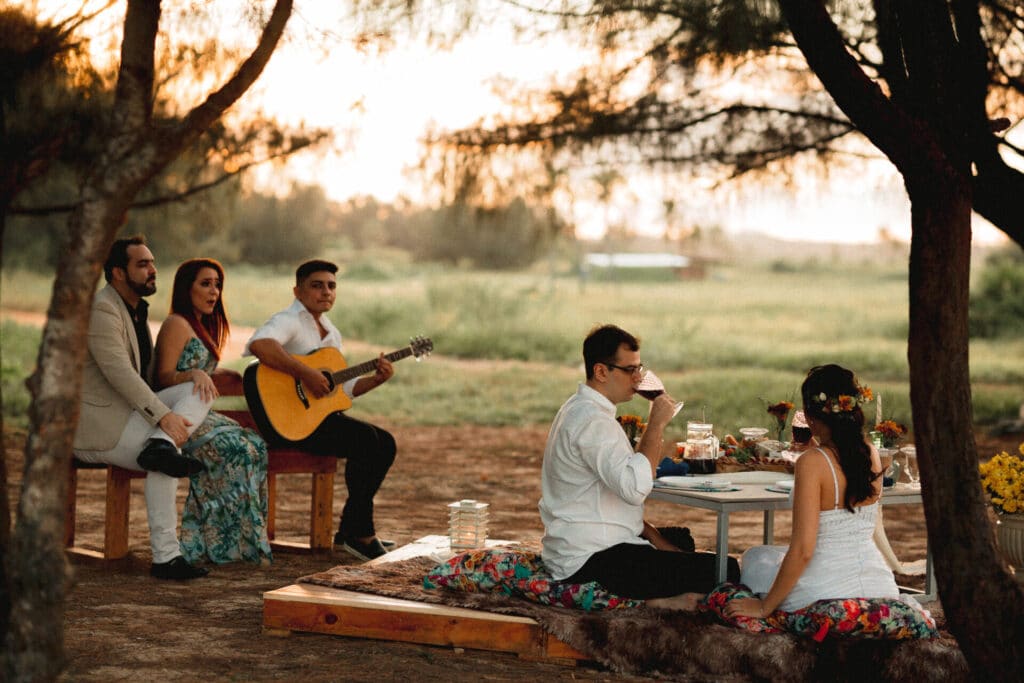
x: 211, y: 329
x: 821, y: 392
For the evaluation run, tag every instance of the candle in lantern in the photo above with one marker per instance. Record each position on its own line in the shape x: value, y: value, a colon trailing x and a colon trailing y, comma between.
x: 467, y: 525
x: 878, y: 409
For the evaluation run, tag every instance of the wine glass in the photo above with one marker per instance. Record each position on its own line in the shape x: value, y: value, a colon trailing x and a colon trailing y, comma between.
x: 913, y: 472
x: 651, y: 387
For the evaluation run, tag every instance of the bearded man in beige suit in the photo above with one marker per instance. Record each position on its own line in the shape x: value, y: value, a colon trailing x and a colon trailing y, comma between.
x: 122, y: 421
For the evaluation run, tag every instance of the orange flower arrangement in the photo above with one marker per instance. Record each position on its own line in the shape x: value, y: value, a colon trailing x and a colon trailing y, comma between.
x: 891, y: 431
x: 633, y: 425
x: 780, y: 411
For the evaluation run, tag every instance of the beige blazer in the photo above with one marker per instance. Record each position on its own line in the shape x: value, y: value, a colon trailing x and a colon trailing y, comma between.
x: 111, y: 385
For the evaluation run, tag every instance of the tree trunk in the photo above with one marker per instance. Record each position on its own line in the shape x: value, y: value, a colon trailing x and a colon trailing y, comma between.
x: 5, y: 536
x: 39, y: 570
x: 984, y: 606
x: 927, y: 135
x: 134, y: 153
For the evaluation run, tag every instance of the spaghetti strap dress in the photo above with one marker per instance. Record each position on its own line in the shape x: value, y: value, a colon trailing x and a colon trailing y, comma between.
x: 225, y: 515
x: 846, y: 562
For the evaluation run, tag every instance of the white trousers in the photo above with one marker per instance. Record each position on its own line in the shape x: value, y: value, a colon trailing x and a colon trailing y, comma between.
x: 161, y: 490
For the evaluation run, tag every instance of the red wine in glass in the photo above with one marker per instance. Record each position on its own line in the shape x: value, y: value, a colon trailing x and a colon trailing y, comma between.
x: 650, y: 387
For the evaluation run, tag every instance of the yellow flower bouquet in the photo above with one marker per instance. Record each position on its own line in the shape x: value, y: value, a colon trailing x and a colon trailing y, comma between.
x: 633, y: 425
x: 1003, y: 480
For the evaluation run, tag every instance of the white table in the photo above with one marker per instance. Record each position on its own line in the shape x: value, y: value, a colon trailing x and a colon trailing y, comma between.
x: 753, y: 496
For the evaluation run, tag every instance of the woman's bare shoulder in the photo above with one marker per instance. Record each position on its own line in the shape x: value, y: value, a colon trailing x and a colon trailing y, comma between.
x: 813, y: 460
x: 176, y: 323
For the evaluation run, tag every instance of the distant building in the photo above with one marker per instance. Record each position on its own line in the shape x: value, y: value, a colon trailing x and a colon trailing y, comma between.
x: 682, y: 266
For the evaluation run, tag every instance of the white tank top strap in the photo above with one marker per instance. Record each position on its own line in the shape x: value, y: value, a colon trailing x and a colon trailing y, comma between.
x: 835, y: 479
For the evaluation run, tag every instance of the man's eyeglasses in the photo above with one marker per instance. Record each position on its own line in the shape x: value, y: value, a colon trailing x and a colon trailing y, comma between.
x: 628, y: 369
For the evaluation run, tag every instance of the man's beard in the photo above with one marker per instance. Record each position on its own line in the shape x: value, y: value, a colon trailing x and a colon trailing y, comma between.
x: 143, y: 288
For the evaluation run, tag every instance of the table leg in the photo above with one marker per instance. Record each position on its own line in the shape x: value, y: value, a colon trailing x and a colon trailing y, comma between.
x: 769, y: 527
x: 930, y: 590
x: 722, y: 547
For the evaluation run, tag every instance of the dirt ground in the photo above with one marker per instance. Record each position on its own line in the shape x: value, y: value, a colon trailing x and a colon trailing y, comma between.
x: 122, y: 625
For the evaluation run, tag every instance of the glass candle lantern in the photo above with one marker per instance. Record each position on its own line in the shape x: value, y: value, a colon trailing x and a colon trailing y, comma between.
x: 467, y: 525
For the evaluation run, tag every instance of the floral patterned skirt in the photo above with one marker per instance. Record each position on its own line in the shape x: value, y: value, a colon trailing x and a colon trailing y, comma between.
x: 225, y: 516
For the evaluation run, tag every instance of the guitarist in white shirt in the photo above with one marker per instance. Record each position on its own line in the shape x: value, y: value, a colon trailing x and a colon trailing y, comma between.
x: 300, y: 329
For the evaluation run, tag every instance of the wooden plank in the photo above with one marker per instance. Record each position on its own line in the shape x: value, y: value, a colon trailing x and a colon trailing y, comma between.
x: 319, y: 609
x: 115, y: 533
x: 298, y: 547
x: 271, y: 505
x: 70, y: 505
x: 321, y: 511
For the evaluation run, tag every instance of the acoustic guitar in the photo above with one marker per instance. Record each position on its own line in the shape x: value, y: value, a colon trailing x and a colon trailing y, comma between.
x: 280, y: 404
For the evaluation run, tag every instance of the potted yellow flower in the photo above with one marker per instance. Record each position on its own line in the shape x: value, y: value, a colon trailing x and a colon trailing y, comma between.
x: 1003, y: 480
x: 633, y: 425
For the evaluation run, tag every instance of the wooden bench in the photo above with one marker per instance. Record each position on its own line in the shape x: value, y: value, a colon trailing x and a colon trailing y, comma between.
x: 115, y: 528
x: 280, y: 461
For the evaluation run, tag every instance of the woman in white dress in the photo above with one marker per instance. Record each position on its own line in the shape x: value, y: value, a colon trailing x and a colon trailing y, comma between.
x: 835, y: 504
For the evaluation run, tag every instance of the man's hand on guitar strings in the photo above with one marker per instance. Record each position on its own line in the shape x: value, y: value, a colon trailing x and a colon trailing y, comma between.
x: 315, y: 381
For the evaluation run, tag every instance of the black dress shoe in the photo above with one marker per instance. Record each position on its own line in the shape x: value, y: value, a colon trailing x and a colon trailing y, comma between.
x: 339, y: 541
x: 364, y: 551
x: 177, y: 569
x: 161, y: 456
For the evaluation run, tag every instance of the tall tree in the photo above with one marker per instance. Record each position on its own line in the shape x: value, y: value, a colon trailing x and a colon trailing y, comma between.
x: 53, y: 122
x: 930, y: 124
x: 137, y: 149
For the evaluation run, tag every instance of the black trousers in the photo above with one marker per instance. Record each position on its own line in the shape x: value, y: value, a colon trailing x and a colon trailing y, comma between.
x: 642, y: 572
x: 369, y: 452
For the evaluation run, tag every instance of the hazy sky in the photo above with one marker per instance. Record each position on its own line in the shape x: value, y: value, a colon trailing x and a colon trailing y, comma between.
x: 380, y: 106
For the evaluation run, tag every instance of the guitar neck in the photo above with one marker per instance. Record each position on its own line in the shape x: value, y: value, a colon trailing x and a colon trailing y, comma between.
x: 356, y: 370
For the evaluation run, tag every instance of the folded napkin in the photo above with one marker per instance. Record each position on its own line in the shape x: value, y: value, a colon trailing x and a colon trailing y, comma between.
x: 669, y: 467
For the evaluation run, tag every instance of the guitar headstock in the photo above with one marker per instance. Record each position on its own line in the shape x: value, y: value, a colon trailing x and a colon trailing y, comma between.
x: 421, y: 347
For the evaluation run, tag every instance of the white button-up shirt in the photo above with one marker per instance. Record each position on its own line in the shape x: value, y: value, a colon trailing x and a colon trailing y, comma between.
x: 296, y: 330
x: 593, y: 484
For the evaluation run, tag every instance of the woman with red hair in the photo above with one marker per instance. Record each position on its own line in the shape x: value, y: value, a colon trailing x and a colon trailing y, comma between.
x: 226, y: 510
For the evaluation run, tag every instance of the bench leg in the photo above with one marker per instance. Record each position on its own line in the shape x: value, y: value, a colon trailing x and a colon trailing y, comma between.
x: 321, y: 522
x: 70, y: 503
x: 115, y: 535
x: 271, y: 504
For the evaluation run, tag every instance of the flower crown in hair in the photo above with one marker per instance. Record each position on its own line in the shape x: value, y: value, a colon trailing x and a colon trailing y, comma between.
x: 842, y: 403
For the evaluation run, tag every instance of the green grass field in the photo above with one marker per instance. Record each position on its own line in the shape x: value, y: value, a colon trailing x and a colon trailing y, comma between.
x: 507, y: 346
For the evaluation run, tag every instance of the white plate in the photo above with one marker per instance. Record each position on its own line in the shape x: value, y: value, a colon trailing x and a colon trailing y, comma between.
x: 751, y: 477
x: 705, y: 483
x: 785, y: 484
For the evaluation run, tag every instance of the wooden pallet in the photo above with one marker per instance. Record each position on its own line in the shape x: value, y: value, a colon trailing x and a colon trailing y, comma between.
x: 318, y: 609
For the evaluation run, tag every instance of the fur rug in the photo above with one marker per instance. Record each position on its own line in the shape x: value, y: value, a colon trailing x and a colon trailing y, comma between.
x: 677, y: 644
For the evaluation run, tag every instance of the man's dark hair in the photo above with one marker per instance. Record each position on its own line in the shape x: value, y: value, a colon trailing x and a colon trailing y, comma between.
x: 314, y: 266
x: 603, y: 342
x: 118, y: 255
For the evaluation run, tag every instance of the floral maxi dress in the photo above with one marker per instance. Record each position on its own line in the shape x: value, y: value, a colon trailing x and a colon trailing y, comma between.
x: 225, y: 516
